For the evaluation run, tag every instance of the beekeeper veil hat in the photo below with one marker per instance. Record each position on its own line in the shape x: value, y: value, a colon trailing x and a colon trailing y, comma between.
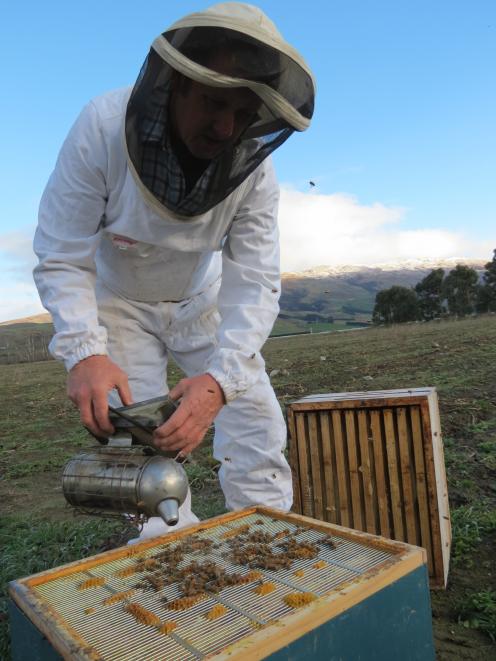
x: 261, y: 62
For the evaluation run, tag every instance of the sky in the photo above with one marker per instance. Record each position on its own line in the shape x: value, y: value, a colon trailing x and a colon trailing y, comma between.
x: 402, y: 147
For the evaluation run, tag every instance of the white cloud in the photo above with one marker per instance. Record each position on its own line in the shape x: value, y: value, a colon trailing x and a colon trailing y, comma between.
x: 316, y: 230
x: 19, y: 299
x: 18, y: 295
x: 333, y: 230
x: 18, y: 244
x: 16, y: 252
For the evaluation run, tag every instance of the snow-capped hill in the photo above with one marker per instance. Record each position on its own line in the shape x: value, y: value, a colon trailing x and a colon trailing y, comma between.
x: 348, y: 292
x: 408, y: 265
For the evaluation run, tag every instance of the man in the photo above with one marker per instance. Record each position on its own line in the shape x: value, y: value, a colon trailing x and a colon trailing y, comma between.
x: 158, y: 236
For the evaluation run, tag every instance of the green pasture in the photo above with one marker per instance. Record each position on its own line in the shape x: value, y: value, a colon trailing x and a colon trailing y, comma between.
x: 40, y: 431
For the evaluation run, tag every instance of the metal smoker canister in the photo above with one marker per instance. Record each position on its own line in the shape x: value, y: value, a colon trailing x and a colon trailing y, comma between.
x: 110, y: 480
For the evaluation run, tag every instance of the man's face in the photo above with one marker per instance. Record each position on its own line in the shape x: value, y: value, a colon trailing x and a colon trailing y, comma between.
x: 207, y: 119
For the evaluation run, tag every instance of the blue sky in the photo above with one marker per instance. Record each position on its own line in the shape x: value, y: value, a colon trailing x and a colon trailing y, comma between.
x: 402, y: 147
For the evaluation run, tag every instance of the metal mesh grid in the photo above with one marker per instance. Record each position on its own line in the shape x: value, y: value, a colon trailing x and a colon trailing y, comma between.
x: 113, y: 634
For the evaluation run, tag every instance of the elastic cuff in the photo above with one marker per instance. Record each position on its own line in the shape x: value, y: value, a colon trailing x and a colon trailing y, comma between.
x: 85, y: 351
x: 231, y: 390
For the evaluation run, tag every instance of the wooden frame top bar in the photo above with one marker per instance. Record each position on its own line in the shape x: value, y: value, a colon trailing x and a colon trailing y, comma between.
x: 359, y: 399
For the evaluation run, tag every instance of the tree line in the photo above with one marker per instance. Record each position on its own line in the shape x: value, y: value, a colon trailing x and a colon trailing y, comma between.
x: 458, y: 293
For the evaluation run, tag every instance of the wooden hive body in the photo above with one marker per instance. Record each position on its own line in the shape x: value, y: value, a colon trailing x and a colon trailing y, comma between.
x: 374, y: 461
x: 367, y: 598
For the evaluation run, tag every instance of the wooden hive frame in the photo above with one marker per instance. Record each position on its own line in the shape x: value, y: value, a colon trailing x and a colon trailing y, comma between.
x: 395, y: 585
x: 374, y: 461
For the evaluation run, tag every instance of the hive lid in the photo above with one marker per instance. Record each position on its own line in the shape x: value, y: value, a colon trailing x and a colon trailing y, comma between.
x: 366, y: 395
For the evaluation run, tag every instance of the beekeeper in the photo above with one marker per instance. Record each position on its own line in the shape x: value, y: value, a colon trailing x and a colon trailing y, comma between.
x: 158, y: 237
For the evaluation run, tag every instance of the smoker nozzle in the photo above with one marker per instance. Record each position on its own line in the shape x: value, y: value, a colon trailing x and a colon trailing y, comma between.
x: 168, y: 509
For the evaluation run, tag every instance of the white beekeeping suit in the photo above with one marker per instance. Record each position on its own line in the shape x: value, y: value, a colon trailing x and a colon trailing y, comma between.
x: 138, y: 266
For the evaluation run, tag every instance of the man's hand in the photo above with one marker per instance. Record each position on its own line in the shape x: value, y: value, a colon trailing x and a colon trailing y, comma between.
x: 201, y: 399
x: 88, y: 384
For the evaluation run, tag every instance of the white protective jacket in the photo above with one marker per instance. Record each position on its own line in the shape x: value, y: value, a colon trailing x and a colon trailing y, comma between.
x: 94, y: 223
x: 99, y: 220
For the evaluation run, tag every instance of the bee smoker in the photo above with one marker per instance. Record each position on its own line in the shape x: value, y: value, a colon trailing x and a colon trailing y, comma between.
x: 127, y: 474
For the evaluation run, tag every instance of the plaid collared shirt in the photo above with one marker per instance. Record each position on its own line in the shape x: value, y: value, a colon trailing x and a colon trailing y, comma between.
x: 160, y: 169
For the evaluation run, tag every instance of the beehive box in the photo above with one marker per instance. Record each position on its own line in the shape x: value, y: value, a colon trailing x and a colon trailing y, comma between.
x: 278, y: 586
x: 374, y: 461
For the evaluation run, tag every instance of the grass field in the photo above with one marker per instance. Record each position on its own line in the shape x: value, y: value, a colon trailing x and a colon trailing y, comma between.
x: 40, y: 431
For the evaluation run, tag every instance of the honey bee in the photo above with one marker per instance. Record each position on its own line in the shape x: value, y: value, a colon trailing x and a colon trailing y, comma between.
x: 148, y: 563
x: 282, y: 533
x: 329, y: 542
x: 195, y: 543
x: 296, y: 549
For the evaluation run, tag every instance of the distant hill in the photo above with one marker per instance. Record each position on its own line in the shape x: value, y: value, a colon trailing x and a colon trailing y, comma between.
x: 321, y: 298
x: 346, y: 294
x: 42, y: 318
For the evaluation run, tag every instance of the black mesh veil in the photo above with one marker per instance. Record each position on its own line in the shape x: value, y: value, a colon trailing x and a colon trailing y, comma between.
x: 284, y: 87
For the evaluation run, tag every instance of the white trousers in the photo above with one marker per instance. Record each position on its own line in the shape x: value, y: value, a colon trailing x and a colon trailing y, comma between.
x: 250, y: 433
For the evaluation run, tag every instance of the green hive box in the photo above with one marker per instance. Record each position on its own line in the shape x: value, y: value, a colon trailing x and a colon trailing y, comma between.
x: 331, y: 593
